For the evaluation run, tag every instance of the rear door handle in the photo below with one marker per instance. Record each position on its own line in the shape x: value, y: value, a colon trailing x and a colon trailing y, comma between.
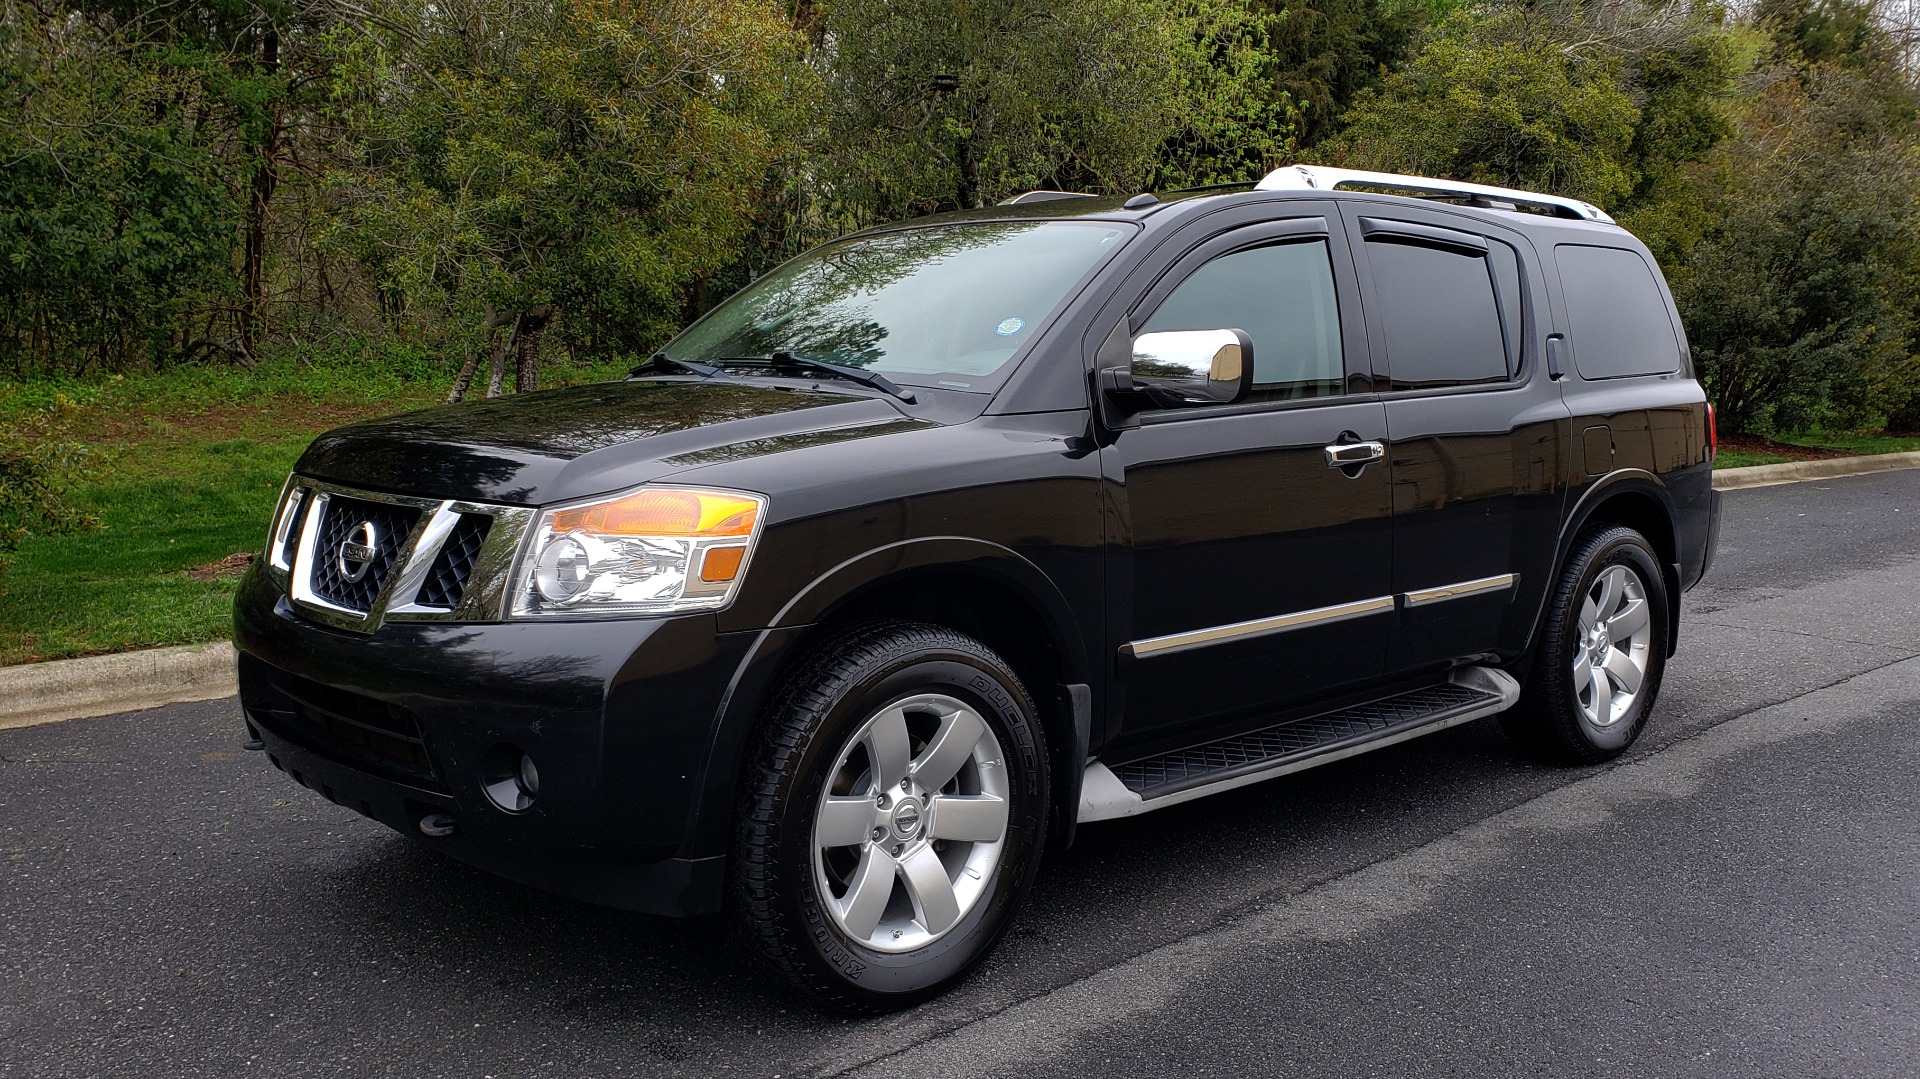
x: 1348, y: 454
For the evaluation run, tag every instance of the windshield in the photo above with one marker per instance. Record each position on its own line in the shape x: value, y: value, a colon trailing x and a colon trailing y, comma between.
x: 942, y: 306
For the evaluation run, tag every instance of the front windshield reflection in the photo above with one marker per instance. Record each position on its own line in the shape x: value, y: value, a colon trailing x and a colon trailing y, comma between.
x: 941, y: 306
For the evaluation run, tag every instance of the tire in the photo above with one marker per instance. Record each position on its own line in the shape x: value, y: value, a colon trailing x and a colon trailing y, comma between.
x: 1589, y: 694
x: 931, y: 870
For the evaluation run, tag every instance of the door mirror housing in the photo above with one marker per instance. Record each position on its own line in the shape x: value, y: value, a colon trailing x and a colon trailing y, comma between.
x: 1185, y: 369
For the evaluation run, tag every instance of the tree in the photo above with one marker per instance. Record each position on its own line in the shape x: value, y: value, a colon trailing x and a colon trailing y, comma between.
x: 939, y: 106
x: 1324, y: 52
x: 1793, y: 251
x: 527, y: 165
x: 113, y: 221
x: 1484, y: 103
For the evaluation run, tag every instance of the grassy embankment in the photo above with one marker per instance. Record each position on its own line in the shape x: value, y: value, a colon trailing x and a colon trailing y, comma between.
x: 194, y: 459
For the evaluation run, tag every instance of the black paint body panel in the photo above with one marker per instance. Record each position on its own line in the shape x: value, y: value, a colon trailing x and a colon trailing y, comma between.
x: 1096, y: 528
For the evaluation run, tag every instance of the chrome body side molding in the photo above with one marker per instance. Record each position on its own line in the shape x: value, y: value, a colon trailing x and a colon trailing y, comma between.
x: 1259, y: 627
x: 1464, y: 588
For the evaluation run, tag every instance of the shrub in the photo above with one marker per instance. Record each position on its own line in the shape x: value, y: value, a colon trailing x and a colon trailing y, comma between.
x: 39, y: 467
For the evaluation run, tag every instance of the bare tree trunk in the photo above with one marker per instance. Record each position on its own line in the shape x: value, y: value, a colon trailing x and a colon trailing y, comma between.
x: 533, y: 325
x: 467, y: 370
x: 266, y: 177
x: 497, y: 368
x: 694, y: 303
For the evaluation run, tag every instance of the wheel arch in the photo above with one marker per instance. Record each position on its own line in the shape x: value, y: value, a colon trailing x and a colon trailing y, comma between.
x: 983, y: 589
x: 1638, y: 500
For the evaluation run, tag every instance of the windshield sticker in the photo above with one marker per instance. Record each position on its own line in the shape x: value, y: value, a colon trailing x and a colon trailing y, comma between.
x: 1009, y: 326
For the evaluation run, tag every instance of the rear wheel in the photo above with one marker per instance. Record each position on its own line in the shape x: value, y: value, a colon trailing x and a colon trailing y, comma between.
x: 894, y: 816
x: 1602, y: 654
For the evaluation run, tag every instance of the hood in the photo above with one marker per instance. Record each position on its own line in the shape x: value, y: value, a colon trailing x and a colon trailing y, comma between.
x: 584, y: 440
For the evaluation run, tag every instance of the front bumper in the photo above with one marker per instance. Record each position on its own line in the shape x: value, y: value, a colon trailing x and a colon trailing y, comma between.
x: 405, y: 722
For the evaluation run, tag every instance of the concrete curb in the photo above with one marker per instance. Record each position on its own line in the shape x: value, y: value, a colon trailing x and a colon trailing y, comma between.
x: 1733, y: 479
x: 35, y: 693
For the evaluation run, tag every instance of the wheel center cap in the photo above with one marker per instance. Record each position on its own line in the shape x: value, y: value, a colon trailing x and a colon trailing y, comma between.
x: 906, y: 820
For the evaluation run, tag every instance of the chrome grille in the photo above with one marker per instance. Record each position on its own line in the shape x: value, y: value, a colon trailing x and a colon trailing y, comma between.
x: 340, y: 521
x: 433, y: 560
x: 447, y: 579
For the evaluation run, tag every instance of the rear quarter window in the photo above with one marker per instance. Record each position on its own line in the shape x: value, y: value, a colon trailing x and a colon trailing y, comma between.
x: 1617, y: 313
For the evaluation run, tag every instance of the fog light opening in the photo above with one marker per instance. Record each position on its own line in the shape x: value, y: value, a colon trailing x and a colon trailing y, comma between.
x: 510, y: 779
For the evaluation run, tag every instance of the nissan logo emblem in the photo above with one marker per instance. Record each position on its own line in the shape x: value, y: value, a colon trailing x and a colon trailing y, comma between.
x: 356, y: 553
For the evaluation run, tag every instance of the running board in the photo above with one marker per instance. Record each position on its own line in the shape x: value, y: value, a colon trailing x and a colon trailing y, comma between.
x: 1185, y: 774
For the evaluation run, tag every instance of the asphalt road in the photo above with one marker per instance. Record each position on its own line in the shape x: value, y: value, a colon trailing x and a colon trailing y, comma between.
x: 1740, y: 895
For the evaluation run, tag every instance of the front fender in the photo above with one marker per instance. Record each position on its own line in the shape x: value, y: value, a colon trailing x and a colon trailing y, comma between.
x: 773, y: 646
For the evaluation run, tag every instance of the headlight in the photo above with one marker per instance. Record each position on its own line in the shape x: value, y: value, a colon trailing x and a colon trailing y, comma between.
x: 651, y: 551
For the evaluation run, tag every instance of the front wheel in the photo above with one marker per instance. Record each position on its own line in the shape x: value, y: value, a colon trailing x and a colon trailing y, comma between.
x: 1602, y: 653
x: 894, y: 816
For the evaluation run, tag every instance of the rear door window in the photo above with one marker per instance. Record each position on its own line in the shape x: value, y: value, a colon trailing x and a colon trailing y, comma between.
x: 1437, y: 306
x: 1616, y: 312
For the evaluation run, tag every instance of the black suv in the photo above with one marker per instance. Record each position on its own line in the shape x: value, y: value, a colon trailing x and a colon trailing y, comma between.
x: 945, y: 537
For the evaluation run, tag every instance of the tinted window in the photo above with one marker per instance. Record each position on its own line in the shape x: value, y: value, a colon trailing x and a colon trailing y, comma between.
x: 1437, y: 305
x: 1283, y: 297
x: 1618, y: 317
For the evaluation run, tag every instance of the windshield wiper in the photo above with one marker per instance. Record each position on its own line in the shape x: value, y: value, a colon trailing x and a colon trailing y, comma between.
x: 851, y: 374
x: 660, y: 361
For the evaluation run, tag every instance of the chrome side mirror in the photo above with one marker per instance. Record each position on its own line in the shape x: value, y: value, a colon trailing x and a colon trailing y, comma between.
x: 1185, y: 368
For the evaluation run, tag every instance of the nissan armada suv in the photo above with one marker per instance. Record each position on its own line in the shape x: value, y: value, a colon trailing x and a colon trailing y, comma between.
x: 948, y: 536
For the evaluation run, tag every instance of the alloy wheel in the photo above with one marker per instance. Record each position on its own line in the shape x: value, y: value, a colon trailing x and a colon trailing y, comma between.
x: 1612, y: 650
x: 912, y: 823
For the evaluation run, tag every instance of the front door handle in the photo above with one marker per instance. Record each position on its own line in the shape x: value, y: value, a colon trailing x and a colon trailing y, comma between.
x: 1350, y: 454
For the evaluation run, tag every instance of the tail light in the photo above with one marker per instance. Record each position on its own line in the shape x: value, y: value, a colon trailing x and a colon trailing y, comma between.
x: 1713, y: 434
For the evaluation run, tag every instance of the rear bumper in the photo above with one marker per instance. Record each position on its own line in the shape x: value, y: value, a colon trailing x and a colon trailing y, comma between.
x: 413, y: 720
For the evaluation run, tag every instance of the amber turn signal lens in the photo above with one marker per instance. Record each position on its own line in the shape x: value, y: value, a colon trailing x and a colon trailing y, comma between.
x: 722, y: 563
x: 665, y: 513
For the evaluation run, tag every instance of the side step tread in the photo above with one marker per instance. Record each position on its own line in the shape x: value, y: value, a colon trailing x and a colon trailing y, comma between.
x: 1138, y: 786
x: 1254, y: 750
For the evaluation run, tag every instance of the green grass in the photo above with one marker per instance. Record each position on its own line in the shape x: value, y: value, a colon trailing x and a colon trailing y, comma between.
x: 125, y: 586
x: 1856, y: 444
x: 194, y: 460
x: 1739, y: 459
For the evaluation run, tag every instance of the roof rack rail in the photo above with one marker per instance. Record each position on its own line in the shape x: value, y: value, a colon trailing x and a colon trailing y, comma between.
x: 1322, y: 178
x: 1043, y: 196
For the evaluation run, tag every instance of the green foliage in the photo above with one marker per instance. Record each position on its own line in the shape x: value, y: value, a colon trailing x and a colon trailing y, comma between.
x: 937, y: 106
x: 1324, y: 52
x: 39, y: 466
x: 580, y: 161
x: 1485, y: 103
x: 393, y: 187
x: 1793, y: 250
x: 114, y: 222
